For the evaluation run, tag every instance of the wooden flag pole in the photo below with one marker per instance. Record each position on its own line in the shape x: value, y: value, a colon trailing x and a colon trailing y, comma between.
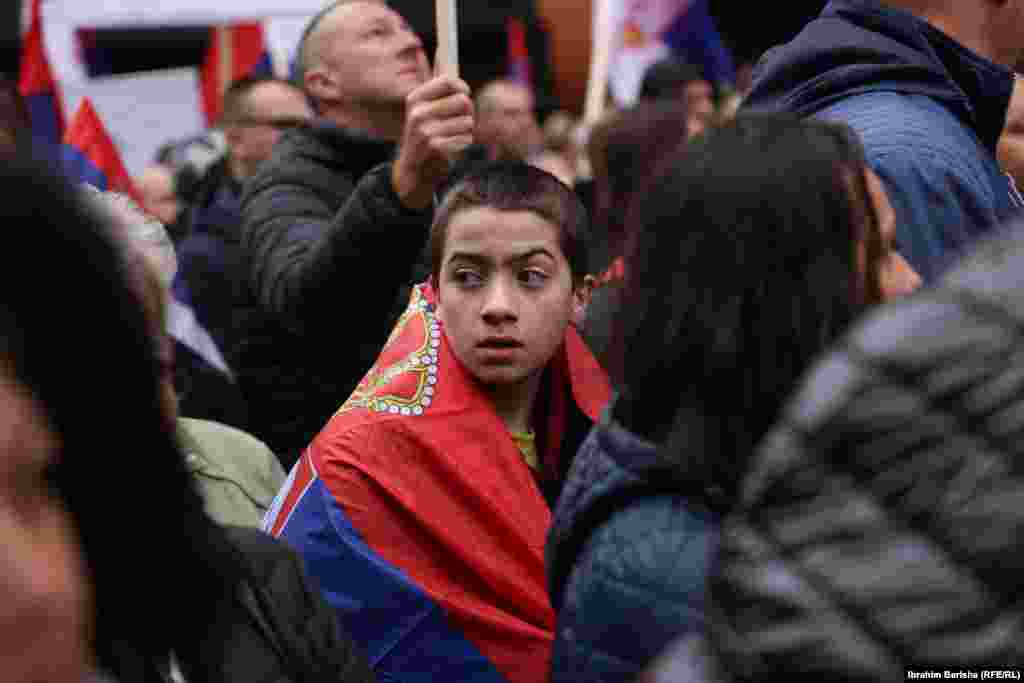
x: 600, y: 63
x: 226, y: 68
x: 447, y: 61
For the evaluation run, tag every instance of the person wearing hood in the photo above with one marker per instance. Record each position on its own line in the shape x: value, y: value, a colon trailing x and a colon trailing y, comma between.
x: 926, y: 85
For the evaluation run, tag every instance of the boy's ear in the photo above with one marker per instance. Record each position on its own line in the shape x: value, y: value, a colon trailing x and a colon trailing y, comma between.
x: 581, y: 300
x: 438, y: 310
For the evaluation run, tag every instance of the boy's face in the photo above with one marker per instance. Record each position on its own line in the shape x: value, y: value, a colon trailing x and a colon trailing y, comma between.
x: 505, y: 293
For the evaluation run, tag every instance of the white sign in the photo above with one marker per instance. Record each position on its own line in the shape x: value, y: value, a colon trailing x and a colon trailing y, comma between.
x: 108, y: 13
x: 143, y: 111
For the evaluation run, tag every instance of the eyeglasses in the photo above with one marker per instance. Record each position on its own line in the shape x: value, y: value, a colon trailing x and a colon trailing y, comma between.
x: 283, y: 123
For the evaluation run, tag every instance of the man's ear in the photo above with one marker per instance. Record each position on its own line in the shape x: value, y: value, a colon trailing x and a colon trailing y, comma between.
x: 320, y: 85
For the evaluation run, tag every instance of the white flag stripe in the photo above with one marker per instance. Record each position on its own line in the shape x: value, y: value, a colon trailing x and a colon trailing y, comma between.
x: 183, y: 326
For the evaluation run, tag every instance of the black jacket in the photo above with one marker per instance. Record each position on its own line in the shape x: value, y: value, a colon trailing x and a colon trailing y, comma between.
x: 330, y: 251
x: 210, y: 272
x: 274, y: 628
x: 279, y: 629
x: 882, y: 524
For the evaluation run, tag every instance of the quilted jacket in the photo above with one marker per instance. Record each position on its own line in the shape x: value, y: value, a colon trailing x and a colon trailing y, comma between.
x: 881, y: 526
x: 330, y: 254
x: 627, y: 560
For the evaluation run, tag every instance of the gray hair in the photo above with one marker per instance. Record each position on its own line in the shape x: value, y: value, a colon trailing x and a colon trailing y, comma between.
x: 137, y: 231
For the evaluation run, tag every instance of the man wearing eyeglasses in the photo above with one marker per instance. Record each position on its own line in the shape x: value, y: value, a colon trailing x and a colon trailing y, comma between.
x: 256, y: 112
x: 211, y: 275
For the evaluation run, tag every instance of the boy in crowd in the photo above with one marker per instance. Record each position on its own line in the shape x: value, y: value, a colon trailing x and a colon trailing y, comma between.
x: 424, y: 505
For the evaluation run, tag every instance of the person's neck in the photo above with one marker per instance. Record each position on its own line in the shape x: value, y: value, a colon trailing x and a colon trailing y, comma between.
x: 970, y: 31
x: 238, y: 170
x: 514, y: 402
x: 385, y: 123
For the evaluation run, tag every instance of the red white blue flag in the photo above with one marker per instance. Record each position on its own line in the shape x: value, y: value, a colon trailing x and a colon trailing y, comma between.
x: 646, y: 31
x: 37, y: 84
x: 417, y: 514
x: 235, y: 52
x: 90, y: 156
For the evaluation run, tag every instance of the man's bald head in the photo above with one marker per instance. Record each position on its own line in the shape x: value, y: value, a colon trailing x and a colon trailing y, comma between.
x: 313, y: 37
x: 359, y: 61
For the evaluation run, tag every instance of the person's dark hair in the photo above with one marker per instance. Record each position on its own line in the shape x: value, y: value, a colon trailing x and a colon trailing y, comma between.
x: 236, y: 97
x: 741, y: 271
x: 159, y: 566
x: 665, y: 78
x: 516, y: 186
x: 633, y: 144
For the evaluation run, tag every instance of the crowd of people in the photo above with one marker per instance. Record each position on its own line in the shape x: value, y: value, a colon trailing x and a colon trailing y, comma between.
x: 721, y: 387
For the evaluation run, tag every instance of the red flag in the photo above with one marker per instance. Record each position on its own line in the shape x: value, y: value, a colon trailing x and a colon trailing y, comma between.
x: 518, y: 54
x: 89, y: 154
x: 428, y: 522
x: 37, y: 84
x: 247, y: 56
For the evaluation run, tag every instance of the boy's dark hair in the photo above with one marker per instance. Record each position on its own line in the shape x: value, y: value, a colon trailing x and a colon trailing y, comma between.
x: 516, y: 186
x: 742, y: 270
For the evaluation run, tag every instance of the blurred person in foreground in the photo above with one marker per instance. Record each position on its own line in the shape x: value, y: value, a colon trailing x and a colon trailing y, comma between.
x: 341, y: 212
x: 237, y: 474
x: 879, y: 526
x: 625, y: 152
x: 175, y: 597
x: 423, y: 505
x: 926, y: 84
x: 754, y: 247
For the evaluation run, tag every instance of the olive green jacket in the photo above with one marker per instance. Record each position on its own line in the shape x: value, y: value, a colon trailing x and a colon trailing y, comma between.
x: 237, y: 474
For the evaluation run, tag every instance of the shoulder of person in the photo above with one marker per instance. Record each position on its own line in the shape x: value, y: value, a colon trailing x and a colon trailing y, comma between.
x: 229, y: 452
x: 630, y: 546
x: 918, y: 126
x: 221, y: 436
x: 302, y: 159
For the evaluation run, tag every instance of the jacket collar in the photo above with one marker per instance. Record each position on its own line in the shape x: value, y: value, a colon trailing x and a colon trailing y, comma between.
x: 860, y: 46
x: 356, y: 150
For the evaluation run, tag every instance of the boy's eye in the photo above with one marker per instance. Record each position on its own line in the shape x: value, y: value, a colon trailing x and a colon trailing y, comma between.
x: 533, y: 277
x: 467, y: 278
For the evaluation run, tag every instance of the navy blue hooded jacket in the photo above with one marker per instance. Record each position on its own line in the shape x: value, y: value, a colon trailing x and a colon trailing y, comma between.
x: 928, y: 110
x: 628, y: 555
